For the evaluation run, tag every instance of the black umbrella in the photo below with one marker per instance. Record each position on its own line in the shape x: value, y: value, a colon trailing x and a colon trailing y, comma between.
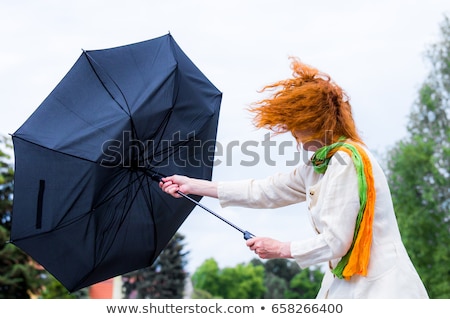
x: 86, y: 204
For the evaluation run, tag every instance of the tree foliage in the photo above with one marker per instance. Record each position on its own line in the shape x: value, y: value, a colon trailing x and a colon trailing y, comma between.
x: 419, y: 173
x: 206, y: 279
x: 276, y: 287
x: 6, y: 183
x: 165, y: 279
x: 282, y: 268
x: 285, y: 279
x: 19, y: 279
x: 273, y: 279
x: 305, y: 285
x: 245, y: 281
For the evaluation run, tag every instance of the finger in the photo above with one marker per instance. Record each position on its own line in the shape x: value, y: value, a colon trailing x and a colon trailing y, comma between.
x: 250, y: 242
x: 164, y: 187
x: 170, y: 189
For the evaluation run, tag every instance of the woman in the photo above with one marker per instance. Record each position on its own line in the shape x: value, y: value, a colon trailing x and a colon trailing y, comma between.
x: 347, y: 193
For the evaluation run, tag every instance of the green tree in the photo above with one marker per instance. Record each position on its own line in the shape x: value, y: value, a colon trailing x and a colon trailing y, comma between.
x: 284, y: 279
x: 53, y: 289
x: 205, y: 279
x: 245, y: 281
x: 305, y: 285
x: 276, y: 287
x: 274, y: 281
x: 419, y: 173
x: 19, y: 279
x: 283, y: 268
x: 165, y: 279
x: 6, y: 183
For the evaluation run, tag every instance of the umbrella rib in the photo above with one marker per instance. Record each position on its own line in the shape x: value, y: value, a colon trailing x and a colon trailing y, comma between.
x: 169, y: 153
x: 91, y: 62
x: 128, y: 205
x: 162, y: 127
x: 114, y: 194
x: 140, y: 177
x: 150, y: 205
x: 53, y: 150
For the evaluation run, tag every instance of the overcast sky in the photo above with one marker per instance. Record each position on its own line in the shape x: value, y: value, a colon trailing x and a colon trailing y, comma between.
x: 373, y: 49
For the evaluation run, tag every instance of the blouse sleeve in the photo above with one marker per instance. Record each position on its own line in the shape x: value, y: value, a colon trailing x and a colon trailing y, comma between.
x: 334, y: 215
x: 275, y: 191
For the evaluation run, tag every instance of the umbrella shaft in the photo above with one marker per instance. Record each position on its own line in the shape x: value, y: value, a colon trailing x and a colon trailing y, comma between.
x: 212, y: 212
x: 158, y: 178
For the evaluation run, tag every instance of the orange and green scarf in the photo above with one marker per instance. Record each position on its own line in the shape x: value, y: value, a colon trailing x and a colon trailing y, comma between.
x: 356, y: 260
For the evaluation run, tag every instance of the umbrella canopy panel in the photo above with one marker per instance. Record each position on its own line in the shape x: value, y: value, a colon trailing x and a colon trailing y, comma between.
x: 85, y: 206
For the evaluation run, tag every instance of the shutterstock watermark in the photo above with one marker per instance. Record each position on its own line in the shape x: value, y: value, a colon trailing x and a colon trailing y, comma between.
x: 190, y: 150
x: 267, y: 152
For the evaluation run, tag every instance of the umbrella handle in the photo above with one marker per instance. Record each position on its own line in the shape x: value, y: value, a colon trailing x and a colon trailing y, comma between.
x: 248, y: 235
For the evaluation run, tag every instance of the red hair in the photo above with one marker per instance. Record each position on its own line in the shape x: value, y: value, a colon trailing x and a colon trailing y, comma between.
x: 310, y: 102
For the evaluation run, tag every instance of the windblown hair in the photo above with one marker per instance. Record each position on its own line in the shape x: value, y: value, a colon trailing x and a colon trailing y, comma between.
x: 309, y: 101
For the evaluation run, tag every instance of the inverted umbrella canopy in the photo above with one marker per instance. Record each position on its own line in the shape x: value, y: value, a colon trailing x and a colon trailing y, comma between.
x: 85, y: 204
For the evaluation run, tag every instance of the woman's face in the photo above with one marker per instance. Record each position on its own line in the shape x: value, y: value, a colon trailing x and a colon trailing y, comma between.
x: 303, y: 138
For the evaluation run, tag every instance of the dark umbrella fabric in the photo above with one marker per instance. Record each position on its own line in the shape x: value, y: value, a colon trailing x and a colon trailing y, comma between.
x: 85, y: 205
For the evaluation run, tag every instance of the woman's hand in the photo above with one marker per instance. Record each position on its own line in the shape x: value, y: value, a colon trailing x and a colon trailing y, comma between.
x: 187, y: 185
x: 268, y: 248
x: 172, y: 184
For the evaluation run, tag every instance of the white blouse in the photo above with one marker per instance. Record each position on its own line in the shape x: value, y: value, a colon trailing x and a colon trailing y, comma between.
x: 333, y: 202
